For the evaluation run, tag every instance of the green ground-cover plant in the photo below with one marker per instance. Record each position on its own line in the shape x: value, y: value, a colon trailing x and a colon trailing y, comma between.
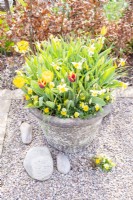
x: 69, y: 78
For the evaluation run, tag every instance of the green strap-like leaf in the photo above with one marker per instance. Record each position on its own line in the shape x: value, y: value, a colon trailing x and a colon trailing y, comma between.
x: 99, y: 101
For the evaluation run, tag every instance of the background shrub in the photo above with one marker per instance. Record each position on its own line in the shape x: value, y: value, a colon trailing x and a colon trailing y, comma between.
x: 35, y: 21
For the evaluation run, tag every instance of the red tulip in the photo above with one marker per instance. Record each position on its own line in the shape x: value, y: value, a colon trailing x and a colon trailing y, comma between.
x: 41, y: 83
x: 72, y: 77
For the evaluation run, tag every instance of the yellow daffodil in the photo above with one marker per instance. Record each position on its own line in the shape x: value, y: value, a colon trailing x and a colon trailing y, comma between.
x: 30, y: 91
x: 58, y: 107
x: 62, y: 88
x: 122, y: 62
x: 47, y: 76
x: 85, y: 108
x: 46, y: 110
x: 76, y: 114
x: 104, y: 30
x: 77, y: 65
x: 56, y: 67
x: 22, y: 46
x: 64, y: 112
x: 94, y: 93
x: 27, y: 97
x: 101, y: 91
x: 97, y: 107
x: 91, y: 50
x: 51, y: 85
x: 19, y: 81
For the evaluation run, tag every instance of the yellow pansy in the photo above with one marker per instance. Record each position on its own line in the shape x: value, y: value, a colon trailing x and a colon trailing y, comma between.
x: 30, y: 91
x: 64, y: 112
x: 27, y: 97
x: 51, y: 85
x: 97, y: 107
x: 58, y: 107
x: 47, y: 76
x: 19, y: 81
x: 76, y: 114
x: 46, y: 110
x: 97, y: 161
x: 22, y: 46
x: 85, y: 108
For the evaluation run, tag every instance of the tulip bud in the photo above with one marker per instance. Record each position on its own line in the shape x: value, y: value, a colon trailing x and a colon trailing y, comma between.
x: 41, y: 83
x: 72, y: 77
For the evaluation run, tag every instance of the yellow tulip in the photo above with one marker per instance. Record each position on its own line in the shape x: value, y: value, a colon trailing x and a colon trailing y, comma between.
x: 19, y: 81
x: 47, y: 76
x: 104, y: 30
x: 22, y: 46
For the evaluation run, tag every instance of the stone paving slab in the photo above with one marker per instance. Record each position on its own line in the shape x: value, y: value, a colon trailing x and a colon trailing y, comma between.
x: 2, y: 134
x: 4, y: 106
x: 11, y: 94
x: 5, y: 94
x: 5, y: 101
x: 120, y: 93
x: 3, y: 120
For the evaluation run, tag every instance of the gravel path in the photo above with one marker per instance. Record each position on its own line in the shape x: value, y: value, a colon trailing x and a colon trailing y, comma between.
x: 82, y: 183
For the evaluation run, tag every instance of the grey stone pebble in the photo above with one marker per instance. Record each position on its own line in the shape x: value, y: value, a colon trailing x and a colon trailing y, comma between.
x: 39, y: 163
x: 63, y: 164
x: 26, y: 133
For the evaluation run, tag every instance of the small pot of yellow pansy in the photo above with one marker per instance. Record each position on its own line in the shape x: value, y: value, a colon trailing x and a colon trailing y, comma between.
x: 103, y: 162
x: 68, y: 86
